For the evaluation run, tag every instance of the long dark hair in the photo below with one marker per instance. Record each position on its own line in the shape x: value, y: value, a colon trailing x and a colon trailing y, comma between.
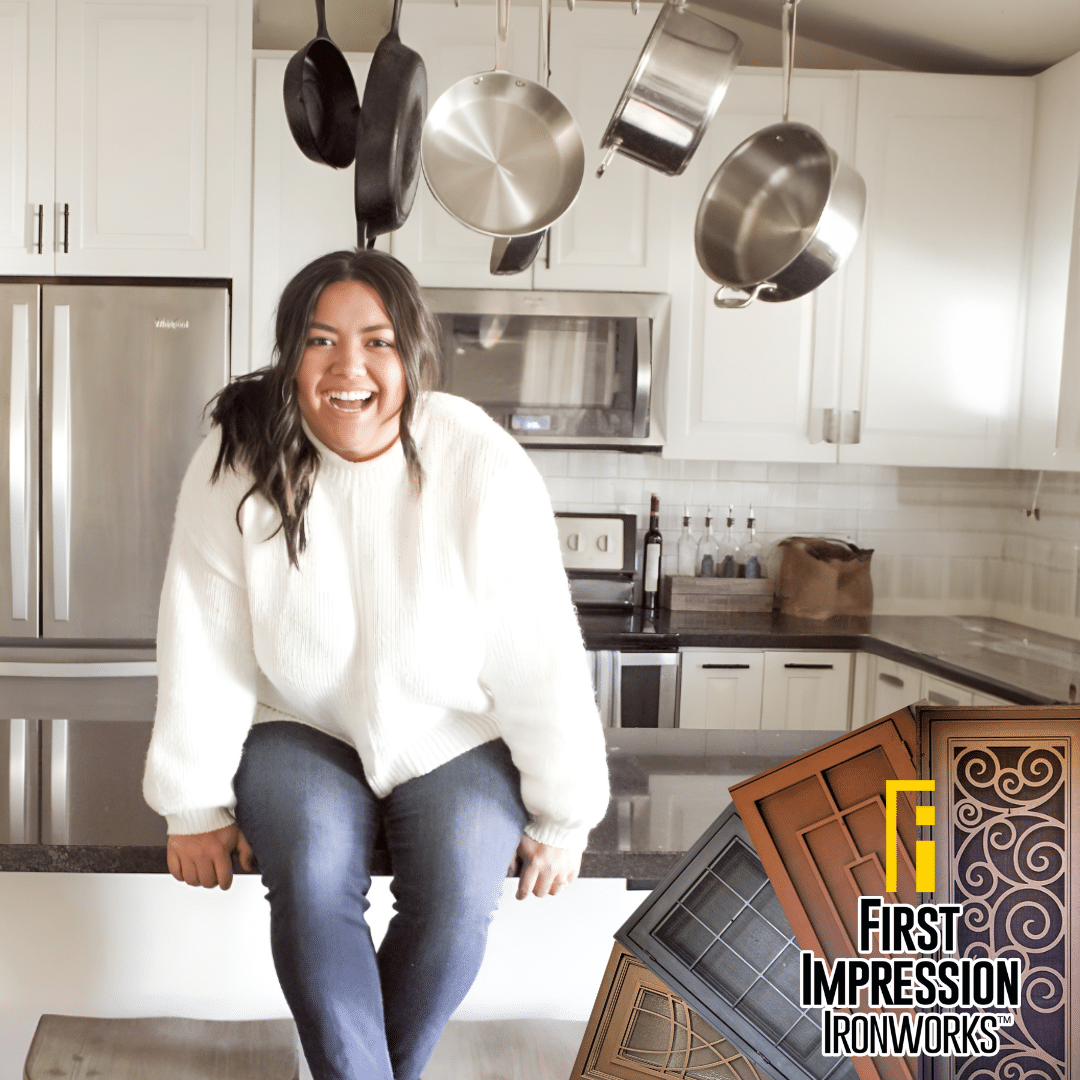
x: 259, y: 413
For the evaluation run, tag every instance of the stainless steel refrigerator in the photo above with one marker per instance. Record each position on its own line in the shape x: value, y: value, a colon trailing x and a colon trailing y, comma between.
x: 102, y: 391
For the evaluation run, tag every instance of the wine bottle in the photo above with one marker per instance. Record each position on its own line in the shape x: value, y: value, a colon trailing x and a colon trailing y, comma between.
x: 654, y: 543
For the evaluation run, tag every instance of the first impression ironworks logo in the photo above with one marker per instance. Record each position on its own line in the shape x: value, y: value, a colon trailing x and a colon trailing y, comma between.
x: 915, y: 975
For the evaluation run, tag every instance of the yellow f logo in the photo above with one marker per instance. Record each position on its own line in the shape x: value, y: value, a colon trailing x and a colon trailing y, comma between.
x: 924, y: 849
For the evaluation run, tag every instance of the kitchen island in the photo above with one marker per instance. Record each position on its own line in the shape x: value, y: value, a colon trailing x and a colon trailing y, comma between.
x: 668, y: 786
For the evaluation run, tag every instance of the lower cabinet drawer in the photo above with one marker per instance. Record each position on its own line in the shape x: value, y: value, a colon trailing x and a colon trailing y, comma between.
x: 806, y: 691
x: 721, y: 690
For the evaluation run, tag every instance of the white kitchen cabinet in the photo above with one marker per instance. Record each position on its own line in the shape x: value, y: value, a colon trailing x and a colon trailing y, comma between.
x: 300, y: 209
x: 806, y: 691
x: 774, y: 690
x: 27, y: 110
x: 721, y: 689
x: 892, y: 686
x: 935, y: 300
x: 142, y: 116
x: 754, y: 383
x: 1050, y: 422
x: 911, y: 354
x: 617, y: 235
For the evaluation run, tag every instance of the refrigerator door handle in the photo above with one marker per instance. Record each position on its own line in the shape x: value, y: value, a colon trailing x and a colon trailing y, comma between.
x: 59, y: 824
x: 17, y: 783
x: 61, y: 461
x: 19, y: 461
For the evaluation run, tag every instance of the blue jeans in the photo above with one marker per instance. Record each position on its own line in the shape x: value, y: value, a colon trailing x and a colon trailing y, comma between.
x: 312, y: 822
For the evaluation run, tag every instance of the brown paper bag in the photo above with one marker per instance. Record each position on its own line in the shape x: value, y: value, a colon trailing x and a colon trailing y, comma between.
x: 820, y: 578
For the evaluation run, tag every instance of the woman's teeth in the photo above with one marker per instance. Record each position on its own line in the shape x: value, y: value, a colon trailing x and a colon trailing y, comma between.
x: 350, y: 395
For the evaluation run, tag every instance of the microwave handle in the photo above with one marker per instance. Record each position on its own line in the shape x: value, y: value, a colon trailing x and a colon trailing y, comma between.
x: 643, y: 378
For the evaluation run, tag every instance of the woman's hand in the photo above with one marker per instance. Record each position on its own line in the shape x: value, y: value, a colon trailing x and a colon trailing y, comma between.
x: 543, y: 870
x: 206, y: 858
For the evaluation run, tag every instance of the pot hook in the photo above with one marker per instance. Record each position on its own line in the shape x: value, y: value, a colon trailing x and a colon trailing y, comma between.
x: 787, y: 48
x: 743, y: 297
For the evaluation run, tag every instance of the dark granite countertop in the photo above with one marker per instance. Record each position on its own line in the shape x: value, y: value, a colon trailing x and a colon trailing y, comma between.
x: 669, y: 785
x: 1028, y: 667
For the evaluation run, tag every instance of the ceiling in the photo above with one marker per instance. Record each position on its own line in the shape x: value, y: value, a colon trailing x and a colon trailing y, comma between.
x: 993, y: 37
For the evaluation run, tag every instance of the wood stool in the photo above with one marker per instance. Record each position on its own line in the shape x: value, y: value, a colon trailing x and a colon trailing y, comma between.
x: 162, y: 1048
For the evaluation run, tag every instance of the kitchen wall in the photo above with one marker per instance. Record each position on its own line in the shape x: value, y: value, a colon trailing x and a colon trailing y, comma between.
x: 946, y: 541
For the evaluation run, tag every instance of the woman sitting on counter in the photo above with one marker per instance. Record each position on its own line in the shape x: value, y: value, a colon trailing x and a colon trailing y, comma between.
x: 365, y: 631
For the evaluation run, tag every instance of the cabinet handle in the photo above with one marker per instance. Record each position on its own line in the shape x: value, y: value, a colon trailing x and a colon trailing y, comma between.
x: 61, y: 461
x: 40, y: 215
x: 891, y: 680
x: 842, y: 427
x: 547, y: 250
x: 810, y: 667
x: 725, y: 667
x: 19, y: 461
x: 67, y: 221
x: 941, y: 699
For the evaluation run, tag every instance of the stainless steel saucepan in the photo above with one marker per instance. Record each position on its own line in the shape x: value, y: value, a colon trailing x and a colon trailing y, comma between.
x: 501, y: 153
x: 782, y: 212
x: 680, y: 79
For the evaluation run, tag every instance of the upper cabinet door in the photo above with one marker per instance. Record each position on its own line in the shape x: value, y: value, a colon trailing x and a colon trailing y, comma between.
x: 456, y: 42
x: 145, y: 137
x: 27, y: 88
x: 934, y: 319
x: 753, y: 383
x: 617, y: 233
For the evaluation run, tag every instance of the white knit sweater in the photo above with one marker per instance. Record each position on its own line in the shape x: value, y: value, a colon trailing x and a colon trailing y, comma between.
x: 416, y: 628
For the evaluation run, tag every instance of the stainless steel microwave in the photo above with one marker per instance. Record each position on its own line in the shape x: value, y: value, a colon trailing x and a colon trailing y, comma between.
x: 558, y: 369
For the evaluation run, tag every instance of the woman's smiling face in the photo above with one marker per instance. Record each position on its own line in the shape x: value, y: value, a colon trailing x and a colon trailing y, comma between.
x: 351, y: 383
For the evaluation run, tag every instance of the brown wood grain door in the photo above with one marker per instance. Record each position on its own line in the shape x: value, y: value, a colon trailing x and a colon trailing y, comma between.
x: 818, y: 825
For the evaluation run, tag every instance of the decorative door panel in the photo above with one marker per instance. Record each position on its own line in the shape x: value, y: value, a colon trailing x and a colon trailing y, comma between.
x: 714, y: 931
x: 1010, y: 851
x: 640, y: 1030
x: 818, y: 825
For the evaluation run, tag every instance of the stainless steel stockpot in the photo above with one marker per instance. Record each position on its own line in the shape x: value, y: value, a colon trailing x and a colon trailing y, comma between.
x: 501, y: 153
x: 779, y: 216
x: 680, y: 79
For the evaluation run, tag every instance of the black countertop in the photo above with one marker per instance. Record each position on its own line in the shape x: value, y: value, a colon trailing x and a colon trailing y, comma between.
x: 669, y: 785
x: 1028, y: 667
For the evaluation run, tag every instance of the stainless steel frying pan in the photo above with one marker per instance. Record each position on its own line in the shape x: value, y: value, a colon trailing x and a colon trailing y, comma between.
x: 501, y: 153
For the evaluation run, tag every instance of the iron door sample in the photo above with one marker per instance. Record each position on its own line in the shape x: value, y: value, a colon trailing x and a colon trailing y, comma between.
x: 818, y: 825
x: 715, y: 932
x: 19, y: 317
x: 639, y: 1029
x: 1008, y: 849
x: 126, y: 373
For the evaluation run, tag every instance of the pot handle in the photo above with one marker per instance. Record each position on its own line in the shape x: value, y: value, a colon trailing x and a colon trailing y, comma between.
x: 787, y: 49
x: 502, y: 24
x: 741, y: 298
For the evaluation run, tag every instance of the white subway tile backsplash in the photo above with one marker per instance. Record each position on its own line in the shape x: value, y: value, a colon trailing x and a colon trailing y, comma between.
x: 943, y: 536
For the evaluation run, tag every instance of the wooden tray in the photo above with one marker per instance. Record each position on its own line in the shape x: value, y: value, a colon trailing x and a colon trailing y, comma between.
x: 716, y: 594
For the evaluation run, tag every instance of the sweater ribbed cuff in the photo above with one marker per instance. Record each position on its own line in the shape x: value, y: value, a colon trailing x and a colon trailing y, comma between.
x: 547, y: 832
x: 198, y: 821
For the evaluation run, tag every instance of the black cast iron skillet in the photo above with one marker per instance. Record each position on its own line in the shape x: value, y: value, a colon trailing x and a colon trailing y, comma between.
x: 388, y: 137
x: 321, y: 103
